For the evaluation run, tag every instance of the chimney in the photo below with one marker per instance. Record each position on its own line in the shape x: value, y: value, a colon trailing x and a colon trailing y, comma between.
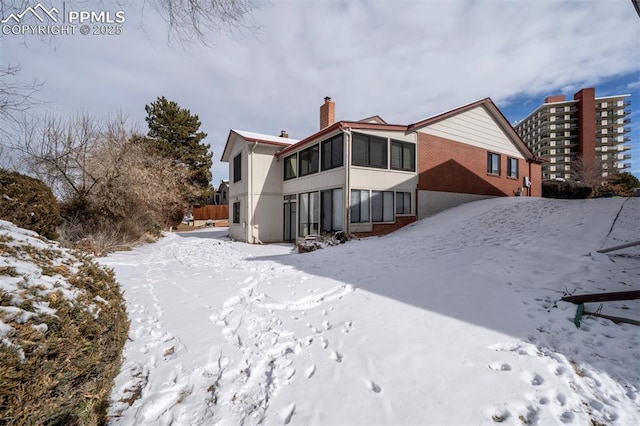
x: 554, y: 98
x: 327, y: 113
x: 284, y: 134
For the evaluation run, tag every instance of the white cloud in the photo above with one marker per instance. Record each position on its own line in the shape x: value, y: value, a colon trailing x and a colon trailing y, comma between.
x: 403, y: 60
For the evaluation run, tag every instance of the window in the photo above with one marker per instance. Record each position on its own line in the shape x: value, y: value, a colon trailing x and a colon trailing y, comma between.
x: 332, y: 153
x: 236, y: 212
x: 237, y: 167
x: 512, y: 167
x: 403, y: 156
x: 382, y: 206
x: 290, y: 167
x: 360, y: 206
x: 308, y: 159
x: 331, y: 210
x: 309, y: 213
x: 403, y: 203
x: 493, y: 163
x: 369, y: 151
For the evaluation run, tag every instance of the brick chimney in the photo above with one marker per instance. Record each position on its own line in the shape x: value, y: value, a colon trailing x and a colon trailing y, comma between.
x: 554, y: 98
x: 327, y: 113
x: 284, y: 134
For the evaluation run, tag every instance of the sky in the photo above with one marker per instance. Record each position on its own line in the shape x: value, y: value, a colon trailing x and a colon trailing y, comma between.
x: 402, y: 60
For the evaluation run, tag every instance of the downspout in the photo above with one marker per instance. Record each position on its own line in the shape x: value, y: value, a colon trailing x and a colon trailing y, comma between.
x: 347, y: 189
x: 250, y: 237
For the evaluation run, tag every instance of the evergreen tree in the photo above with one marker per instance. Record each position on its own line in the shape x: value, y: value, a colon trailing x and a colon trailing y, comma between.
x: 174, y: 133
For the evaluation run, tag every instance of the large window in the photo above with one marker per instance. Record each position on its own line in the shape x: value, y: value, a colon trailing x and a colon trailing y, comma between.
x: 493, y: 163
x: 403, y: 156
x: 331, y: 203
x: 236, y: 212
x: 308, y: 160
x: 290, y: 167
x: 382, y: 206
x: 332, y: 152
x: 512, y: 167
x: 360, y: 206
x: 403, y: 203
x: 237, y: 167
x: 309, y: 207
x: 369, y: 151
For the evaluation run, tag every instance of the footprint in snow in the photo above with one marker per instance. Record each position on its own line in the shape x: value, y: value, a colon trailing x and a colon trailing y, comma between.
x: 335, y: 356
x: 373, y: 386
x: 533, y: 378
x: 287, y: 413
x: 499, y: 366
x: 289, y: 373
x: 310, y: 371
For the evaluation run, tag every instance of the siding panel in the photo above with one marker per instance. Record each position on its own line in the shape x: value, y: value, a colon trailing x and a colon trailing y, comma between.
x: 477, y: 128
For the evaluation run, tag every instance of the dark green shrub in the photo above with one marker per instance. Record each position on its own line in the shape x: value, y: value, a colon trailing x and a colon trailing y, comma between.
x: 28, y: 203
x: 565, y: 189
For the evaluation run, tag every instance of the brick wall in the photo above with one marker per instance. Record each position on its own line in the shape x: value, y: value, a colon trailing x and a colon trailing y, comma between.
x: 445, y: 165
x: 385, y: 228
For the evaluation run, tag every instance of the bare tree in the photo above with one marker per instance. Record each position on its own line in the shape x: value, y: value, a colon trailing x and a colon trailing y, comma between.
x: 190, y: 20
x: 588, y: 171
x: 16, y: 98
x: 58, y: 152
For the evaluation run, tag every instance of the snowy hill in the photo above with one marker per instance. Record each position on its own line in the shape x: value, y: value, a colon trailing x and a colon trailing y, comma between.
x: 454, y: 320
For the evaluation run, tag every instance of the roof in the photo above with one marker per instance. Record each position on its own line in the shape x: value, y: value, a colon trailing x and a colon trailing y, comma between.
x: 495, y: 113
x: 342, y: 125
x: 258, y: 138
x: 376, y: 123
x: 373, y: 119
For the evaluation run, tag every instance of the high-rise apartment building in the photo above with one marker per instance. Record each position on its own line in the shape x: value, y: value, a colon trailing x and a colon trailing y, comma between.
x: 585, y: 132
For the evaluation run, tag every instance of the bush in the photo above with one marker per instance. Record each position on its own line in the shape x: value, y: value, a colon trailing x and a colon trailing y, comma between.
x: 621, y: 184
x: 565, y: 190
x: 28, y: 203
x: 59, y: 363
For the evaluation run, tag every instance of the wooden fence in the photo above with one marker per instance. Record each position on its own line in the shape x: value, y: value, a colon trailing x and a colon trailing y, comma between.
x: 213, y: 212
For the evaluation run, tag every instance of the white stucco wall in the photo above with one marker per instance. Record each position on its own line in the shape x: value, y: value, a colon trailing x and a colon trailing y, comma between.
x: 265, y: 195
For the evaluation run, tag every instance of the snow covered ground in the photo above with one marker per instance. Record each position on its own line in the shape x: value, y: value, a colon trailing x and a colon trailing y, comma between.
x: 454, y: 320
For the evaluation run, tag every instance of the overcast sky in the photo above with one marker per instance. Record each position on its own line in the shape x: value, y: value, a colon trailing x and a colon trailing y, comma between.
x: 402, y: 60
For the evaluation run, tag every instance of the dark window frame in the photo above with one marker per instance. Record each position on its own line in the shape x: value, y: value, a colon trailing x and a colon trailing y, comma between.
x: 236, y: 212
x: 412, y: 155
x: 404, y: 207
x: 308, y: 221
x: 309, y: 160
x: 237, y: 168
x: 332, y: 153
x: 355, y: 209
x: 368, y: 158
x: 293, y: 169
x: 328, y: 209
x: 490, y: 163
x: 511, y: 161
x: 380, y: 200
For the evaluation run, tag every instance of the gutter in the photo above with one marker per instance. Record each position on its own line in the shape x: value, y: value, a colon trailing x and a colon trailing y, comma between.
x: 347, y: 190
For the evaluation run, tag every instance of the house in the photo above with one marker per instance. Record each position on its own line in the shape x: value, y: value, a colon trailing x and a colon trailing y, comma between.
x: 222, y: 193
x: 471, y: 153
x: 370, y: 177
